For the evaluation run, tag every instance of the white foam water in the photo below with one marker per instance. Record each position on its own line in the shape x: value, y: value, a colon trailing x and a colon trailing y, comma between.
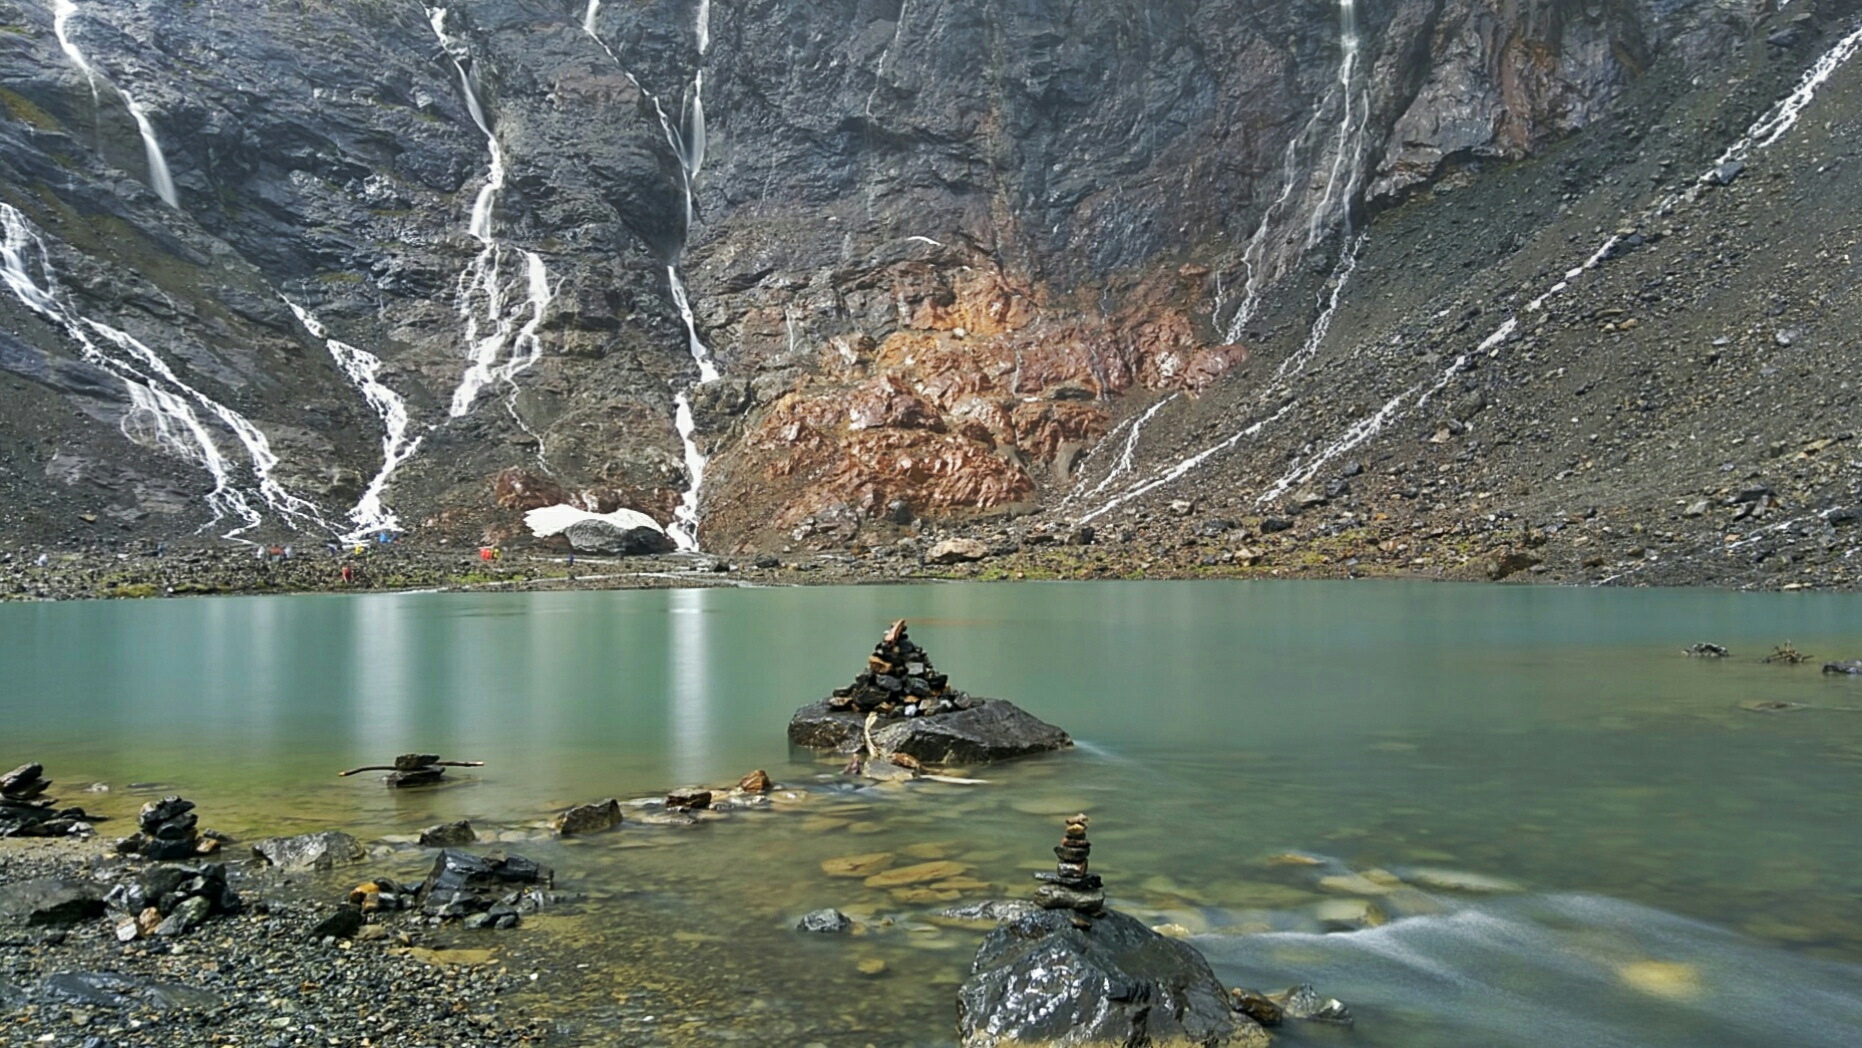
x: 162, y: 406
x: 160, y: 178
x: 370, y: 514
x: 1533, y: 971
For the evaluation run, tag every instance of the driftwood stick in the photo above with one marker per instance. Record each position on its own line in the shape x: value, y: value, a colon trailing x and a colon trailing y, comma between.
x: 429, y: 764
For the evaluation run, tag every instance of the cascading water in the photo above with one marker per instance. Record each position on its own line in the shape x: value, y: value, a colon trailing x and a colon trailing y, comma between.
x: 160, y: 179
x: 499, y: 347
x: 688, y: 141
x: 160, y: 414
x: 370, y: 514
x: 1265, y: 257
x: 1764, y: 132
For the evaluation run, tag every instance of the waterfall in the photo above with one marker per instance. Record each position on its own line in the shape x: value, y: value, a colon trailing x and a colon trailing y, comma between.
x: 160, y: 180
x: 370, y: 514
x: 1767, y: 130
x: 1315, y: 337
x: 160, y: 413
x: 688, y: 140
x: 1264, y: 258
x: 488, y: 308
x: 684, y: 530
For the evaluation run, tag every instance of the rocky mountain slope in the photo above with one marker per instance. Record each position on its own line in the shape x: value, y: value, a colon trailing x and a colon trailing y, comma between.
x: 1234, y: 282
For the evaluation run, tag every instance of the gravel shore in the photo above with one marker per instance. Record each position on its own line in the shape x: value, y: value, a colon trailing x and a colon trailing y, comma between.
x: 256, y: 979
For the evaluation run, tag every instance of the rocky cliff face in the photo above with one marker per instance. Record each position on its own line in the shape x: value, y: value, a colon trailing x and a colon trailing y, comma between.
x: 337, y: 265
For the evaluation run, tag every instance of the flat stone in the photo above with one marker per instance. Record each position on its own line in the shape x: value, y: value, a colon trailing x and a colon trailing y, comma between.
x: 921, y: 873
x: 1357, y: 884
x: 857, y: 865
x: 957, y: 551
x: 1345, y: 915
x: 50, y: 901
x: 1459, y: 881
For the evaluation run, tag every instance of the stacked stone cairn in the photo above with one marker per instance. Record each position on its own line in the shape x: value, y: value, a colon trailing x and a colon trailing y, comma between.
x: 1070, y: 886
x: 168, y: 832
x: 414, y: 769
x: 899, y: 681
x: 26, y: 812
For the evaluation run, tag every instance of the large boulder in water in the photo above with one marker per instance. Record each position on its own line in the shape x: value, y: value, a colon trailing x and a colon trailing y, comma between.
x: 989, y: 730
x: 1042, y: 980
x: 310, y: 851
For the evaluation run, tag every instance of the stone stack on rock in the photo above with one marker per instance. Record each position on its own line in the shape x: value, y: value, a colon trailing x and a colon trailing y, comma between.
x: 168, y: 831
x: 915, y: 712
x: 1075, y: 972
x: 26, y: 812
x: 1071, y: 886
x: 899, y: 678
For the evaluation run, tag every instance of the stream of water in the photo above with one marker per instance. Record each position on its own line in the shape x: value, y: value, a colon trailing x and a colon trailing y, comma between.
x: 1685, y: 870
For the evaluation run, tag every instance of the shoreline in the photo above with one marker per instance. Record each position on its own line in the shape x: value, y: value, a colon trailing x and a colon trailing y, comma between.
x: 218, y: 570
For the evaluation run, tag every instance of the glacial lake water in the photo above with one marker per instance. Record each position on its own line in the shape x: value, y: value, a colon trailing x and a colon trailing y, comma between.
x: 1689, y: 871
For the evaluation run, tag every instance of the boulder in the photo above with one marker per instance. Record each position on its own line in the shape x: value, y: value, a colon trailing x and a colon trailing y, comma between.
x: 1853, y: 667
x: 461, y: 883
x: 1042, y: 980
x: 589, y: 818
x: 824, y: 921
x: 957, y: 551
x: 991, y: 730
x: 310, y: 851
x: 607, y: 538
x: 50, y: 900
x: 448, y: 835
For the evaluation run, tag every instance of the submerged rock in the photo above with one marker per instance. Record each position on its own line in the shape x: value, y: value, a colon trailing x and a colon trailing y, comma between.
x: 1042, y: 980
x: 829, y: 921
x: 1304, y: 1002
x: 1852, y: 666
x: 310, y: 851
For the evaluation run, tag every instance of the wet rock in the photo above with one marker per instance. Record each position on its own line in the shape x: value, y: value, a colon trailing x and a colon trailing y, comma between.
x: 995, y: 730
x: 24, y: 782
x: 1042, y: 980
x: 824, y: 921
x: 994, y: 911
x: 448, y: 835
x: 957, y: 551
x: 1257, y: 1006
x: 588, y: 818
x: 755, y: 782
x: 1347, y: 915
x: 1726, y: 174
x: 460, y: 883
x: 310, y: 851
x: 50, y: 901
x: 1461, y: 881
x: 688, y: 799
x: 1706, y: 651
x: 342, y: 923
x: 1852, y: 666
x: 117, y: 991
x: 1305, y: 1003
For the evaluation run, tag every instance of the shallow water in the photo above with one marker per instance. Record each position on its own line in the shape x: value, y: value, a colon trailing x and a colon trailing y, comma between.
x: 1689, y: 869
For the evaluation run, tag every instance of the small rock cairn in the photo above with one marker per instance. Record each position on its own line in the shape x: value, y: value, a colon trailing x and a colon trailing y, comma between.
x: 1070, y: 886
x: 168, y: 833
x: 24, y: 812
x: 899, y: 680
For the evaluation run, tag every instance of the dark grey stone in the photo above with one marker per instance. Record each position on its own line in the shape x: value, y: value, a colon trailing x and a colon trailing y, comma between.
x: 50, y: 900
x: 1042, y: 980
x: 990, y: 730
x: 828, y: 921
x: 310, y: 851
